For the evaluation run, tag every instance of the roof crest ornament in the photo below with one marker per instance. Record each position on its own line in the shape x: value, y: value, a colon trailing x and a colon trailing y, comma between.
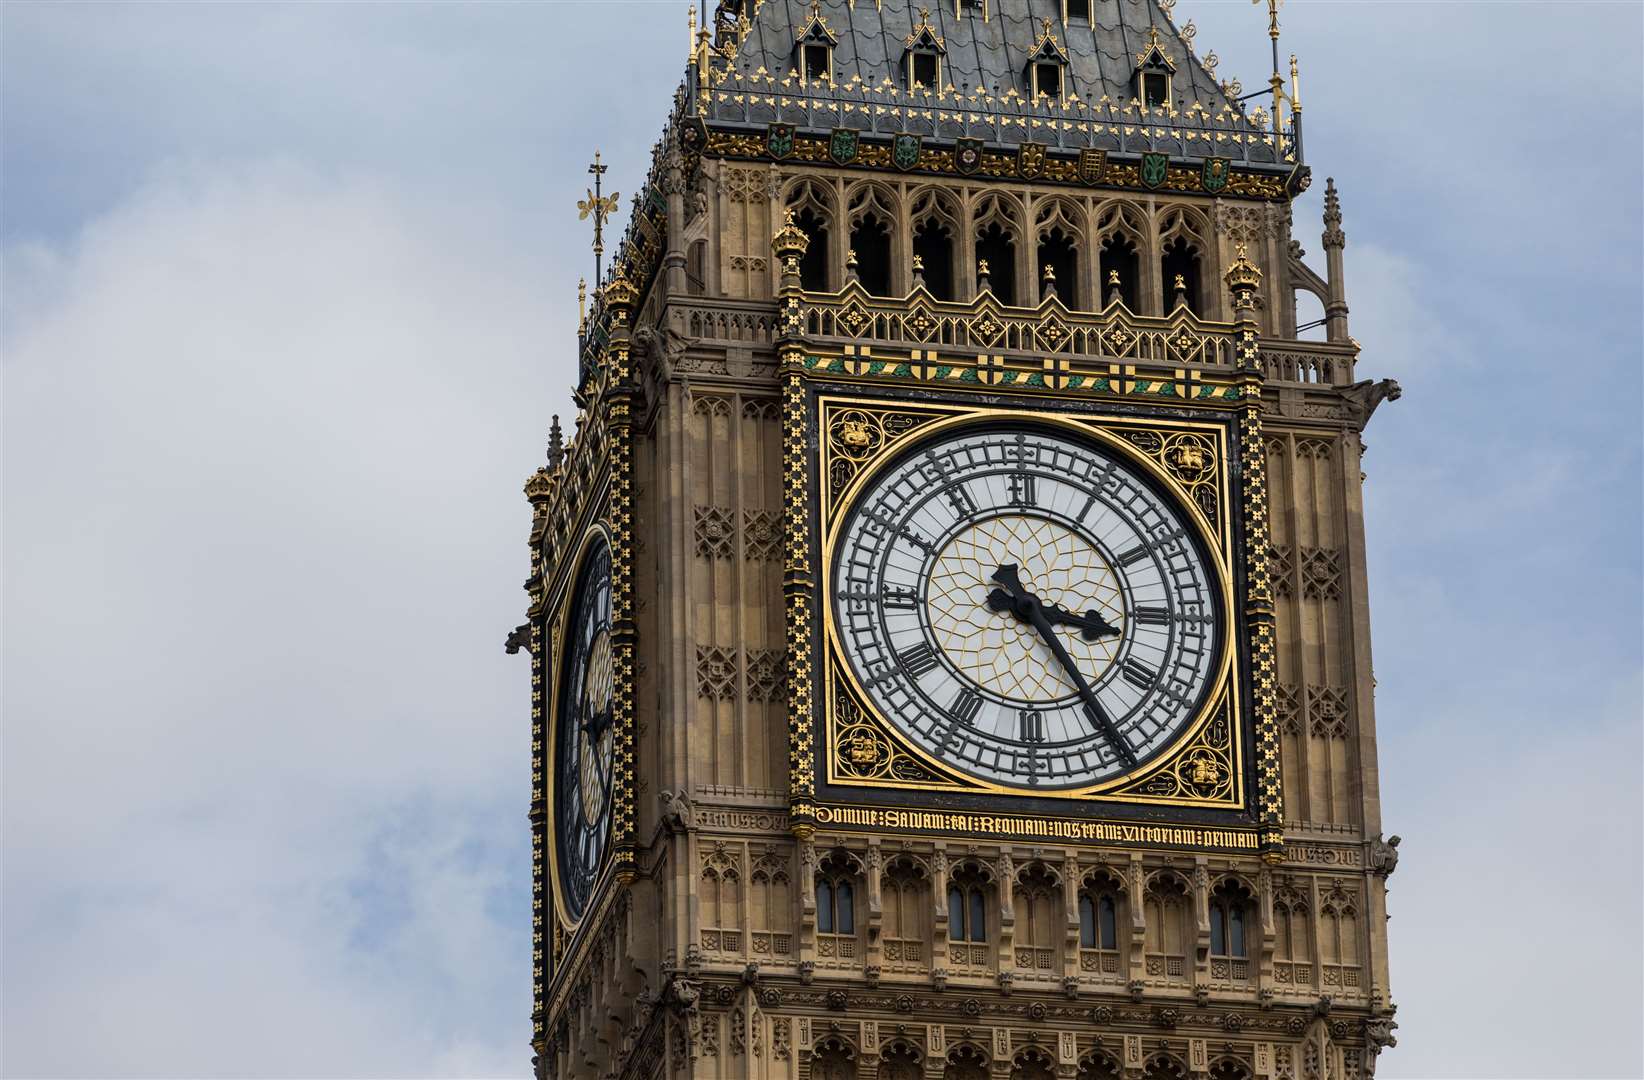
x: 1153, y: 51
x: 817, y: 22
x: 923, y: 29
x: 1047, y: 37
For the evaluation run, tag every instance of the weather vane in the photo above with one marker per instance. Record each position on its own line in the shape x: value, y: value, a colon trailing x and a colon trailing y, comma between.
x: 600, y: 207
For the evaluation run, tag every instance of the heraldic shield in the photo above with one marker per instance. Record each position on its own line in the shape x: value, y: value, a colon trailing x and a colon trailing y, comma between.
x: 1154, y: 169
x: 779, y: 140
x: 1215, y: 172
x: 905, y: 151
x: 842, y: 146
x: 1030, y: 160
x: 1092, y: 163
x: 967, y: 155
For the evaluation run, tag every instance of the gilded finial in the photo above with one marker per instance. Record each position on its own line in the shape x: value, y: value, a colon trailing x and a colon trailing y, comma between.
x: 918, y: 263
x: 1181, y: 283
x: 850, y: 257
x: 599, y: 207
x: 790, y: 240
x: 582, y: 303
x: 1242, y: 275
x: 1050, y: 272
x: 1295, y: 85
x: 982, y: 267
x: 1113, y: 277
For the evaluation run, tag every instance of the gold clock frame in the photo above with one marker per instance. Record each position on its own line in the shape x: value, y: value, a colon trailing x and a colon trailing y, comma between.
x: 556, y: 664
x: 1203, y: 766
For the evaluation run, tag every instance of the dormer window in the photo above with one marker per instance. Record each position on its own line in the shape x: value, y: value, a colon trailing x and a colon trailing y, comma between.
x: 813, y: 48
x: 818, y: 66
x: 1047, y: 80
x: 924, y: 69
x: 1047, y: 66
x: 922, y: 55
x: 1154, y: 69
x: 971, y: 7
x: 1076, y: 9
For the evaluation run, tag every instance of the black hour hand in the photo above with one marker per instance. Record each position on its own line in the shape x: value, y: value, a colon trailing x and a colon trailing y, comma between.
x: 1091, y: 624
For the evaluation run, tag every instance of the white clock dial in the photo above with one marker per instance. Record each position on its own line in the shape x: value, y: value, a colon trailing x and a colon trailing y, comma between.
x: 1026, y: 606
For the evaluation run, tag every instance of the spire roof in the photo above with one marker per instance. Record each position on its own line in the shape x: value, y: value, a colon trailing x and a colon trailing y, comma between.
x: 984, y: 64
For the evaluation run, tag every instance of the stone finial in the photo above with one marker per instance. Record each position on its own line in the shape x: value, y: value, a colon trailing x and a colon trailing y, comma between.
x: 1049, y: 278
x: 556, y: 444
x: 918, y: 271
x: 1333, y: 236
x: 1181, y: 290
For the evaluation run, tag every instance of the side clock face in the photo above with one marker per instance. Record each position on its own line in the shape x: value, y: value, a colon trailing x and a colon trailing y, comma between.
x: 1026, y: 606
x: 582, y: 733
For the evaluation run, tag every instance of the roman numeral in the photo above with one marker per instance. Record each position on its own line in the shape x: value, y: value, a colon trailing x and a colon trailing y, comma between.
x: 1155, y: 616
x: 1139, y: 676
x: 1032, y: 726
x: 1024, y: 489
x: 965, y: 707
x: 895, y: 597
x: 1134, y: 555
x: 917, y: 660
x: 954, y: 490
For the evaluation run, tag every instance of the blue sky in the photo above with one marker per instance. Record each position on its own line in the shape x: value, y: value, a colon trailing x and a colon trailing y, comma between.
x: 289, y: 296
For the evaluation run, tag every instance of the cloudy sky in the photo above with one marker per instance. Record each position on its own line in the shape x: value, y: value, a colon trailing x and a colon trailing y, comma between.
x: 289, y: 296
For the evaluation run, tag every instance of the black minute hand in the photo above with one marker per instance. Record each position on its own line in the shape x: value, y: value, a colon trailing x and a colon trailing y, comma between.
x: 1026, y: 608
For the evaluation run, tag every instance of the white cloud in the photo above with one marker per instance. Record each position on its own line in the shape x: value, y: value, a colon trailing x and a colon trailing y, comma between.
x: 266, y: 762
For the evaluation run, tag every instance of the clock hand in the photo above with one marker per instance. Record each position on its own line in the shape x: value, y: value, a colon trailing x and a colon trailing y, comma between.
x: 1091, y: 622
x: 1026, y: 608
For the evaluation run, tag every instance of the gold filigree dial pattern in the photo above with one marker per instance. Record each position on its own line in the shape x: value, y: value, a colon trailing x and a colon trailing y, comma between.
x: 595, y: 751
x: 1005, y: 655
x: 975, y: 684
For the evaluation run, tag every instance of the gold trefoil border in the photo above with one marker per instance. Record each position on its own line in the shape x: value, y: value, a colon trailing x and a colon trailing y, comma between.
x: 858, y: 432
x: 865, y: 752
x: 1205, y: 767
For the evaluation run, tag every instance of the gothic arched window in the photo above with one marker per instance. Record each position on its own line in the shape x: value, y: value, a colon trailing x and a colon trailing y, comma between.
x: 967, y: 905
x: 905, y: 904
x: 1169, y: 917
x: 1120, y: 269
x: 837, y: 878
x: 1229, y: 921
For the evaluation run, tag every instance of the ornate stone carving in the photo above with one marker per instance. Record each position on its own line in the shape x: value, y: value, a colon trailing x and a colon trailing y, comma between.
x: 1321, y: 573
x: 762, y: 534
x: 1327, y: 710
x: 715, y: 532
x: 1383, y: 858
x: 715, y: 672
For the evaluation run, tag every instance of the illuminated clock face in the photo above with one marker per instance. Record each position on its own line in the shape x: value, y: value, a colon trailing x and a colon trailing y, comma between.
x: 582, y: 740
x: 1026, y: 607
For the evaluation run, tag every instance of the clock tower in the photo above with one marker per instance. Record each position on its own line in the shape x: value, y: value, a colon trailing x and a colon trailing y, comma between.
x: 948, y: 623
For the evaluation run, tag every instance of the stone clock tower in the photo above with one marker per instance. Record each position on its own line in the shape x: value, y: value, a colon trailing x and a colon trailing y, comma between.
x: 950, y: 650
